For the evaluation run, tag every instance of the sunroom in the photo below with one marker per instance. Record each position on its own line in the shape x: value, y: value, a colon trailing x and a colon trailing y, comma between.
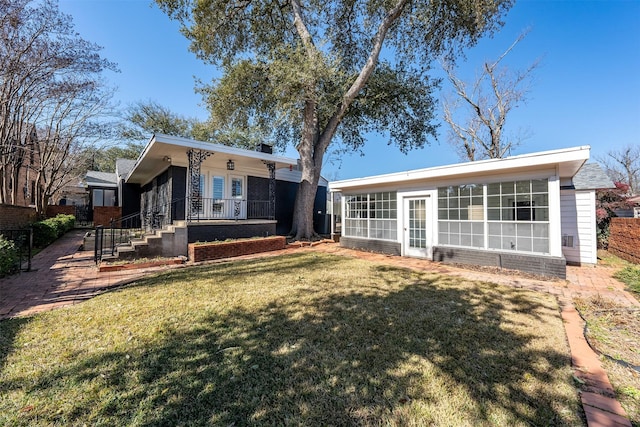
x: 504, y: 212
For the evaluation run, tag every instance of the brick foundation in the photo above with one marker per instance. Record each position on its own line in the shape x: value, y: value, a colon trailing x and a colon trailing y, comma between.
x: 624, y: 238
x: 207, y: 251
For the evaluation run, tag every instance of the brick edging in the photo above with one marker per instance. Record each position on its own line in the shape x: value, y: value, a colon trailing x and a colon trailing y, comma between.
x: 598, y: 400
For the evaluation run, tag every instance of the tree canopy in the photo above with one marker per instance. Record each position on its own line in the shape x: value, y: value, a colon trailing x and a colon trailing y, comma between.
x: 304, y: 73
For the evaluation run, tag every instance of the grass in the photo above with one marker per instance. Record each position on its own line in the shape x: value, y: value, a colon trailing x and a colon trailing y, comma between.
x: 630, y: 276
x: 303, y: 339
x: 613, y: 330
x: 606, y: 259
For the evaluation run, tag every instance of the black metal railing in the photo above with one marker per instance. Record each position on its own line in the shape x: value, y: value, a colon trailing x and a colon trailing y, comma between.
x: 204, y: 209
x: 23, y: 241
x: 122, y: 231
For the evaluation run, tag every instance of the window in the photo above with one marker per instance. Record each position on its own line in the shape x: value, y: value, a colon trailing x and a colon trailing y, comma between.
x: 218, y: 187
x: 372, y: 216
x: 515, y: 218
x: 236, y: 188
x: 461, y: 215
x: 102, y: 197
x: 33, y: 193
x: 518, y: 214
x: 218, y: 194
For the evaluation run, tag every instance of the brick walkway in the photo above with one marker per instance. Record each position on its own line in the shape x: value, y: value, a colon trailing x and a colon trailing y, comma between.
x: 63, y: 275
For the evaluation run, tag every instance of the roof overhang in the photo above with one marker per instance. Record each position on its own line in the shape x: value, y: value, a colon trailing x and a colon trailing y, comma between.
x: 100, y: 184
x: 566, y: 161
x: 163, y: 150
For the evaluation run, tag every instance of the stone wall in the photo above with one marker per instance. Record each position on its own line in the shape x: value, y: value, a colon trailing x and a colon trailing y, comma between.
x: 624, y: 238
x: 14, y: 217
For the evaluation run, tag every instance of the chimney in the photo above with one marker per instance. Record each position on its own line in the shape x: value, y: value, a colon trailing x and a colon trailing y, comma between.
x: 265, y: 148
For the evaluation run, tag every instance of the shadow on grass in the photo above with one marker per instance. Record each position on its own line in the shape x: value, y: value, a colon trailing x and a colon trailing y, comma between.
x: 366, y: 355
x: 9, y: 329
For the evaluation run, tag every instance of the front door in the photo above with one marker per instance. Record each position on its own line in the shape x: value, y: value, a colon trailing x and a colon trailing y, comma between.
x: 238, y: 200
x: 417, y: 227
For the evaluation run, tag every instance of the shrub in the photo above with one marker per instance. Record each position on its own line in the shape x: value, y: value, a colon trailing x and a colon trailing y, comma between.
x: 43, y: 233
x: 9, y: 258
x: 48, y: 230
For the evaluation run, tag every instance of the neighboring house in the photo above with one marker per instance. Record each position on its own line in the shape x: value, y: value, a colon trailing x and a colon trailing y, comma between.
x: 636, y: 208
x: 108, y: 188
x: 20, y: 175
x: 210, y: 191
x: 102, y: 187
x: 633, y: 211
x: 511, y: 213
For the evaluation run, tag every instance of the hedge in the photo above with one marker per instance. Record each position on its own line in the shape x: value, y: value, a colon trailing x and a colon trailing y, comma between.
x: 8, y: 257
x: 48, y: 230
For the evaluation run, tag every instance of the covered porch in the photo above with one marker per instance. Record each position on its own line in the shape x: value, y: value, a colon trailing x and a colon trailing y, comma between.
x: 192, y: 181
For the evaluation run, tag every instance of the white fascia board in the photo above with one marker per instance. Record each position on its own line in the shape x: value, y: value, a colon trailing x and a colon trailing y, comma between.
x: 208, y: 146
x: 101, y: 184
x: 140, y: 157
x: 224, y: 149
x: 492, y: 166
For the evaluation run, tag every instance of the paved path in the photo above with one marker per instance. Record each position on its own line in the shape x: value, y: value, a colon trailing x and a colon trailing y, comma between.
x: 61, y: 275
x: 64, y: 275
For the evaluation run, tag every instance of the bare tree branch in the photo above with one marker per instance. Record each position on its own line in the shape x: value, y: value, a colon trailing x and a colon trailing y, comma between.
x: 488, y: 100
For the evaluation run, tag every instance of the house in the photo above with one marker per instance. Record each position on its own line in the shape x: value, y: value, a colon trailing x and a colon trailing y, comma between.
x: 20, y: 172
x: 523, y: 212
x: 632, y: 209
x: 209, y: 191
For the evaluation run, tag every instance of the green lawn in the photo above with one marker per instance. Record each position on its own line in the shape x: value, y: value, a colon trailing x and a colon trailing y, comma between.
x: 303, y: 339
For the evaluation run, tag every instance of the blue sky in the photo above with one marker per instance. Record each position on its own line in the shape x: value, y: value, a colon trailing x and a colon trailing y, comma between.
x: 585, y: 92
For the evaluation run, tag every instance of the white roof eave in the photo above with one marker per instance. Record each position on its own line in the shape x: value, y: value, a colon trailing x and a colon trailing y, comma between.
x: 569, y: 161
x: 186, y: 143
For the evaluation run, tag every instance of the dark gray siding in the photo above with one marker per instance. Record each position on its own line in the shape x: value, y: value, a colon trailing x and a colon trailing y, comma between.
x: 536, y: 264
x: 178, y: 192
x: 230, y: 230
x: 380, y: 246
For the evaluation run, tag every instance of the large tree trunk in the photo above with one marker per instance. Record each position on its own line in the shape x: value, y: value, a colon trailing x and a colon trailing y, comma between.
x: 302, y: 226
x: 311, y: 150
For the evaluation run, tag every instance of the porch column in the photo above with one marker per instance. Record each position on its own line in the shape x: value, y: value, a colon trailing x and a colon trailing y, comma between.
x: 194, y: 193
x: 272, y: 189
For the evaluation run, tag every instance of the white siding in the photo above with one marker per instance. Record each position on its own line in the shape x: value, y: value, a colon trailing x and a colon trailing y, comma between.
x: 578, y: 212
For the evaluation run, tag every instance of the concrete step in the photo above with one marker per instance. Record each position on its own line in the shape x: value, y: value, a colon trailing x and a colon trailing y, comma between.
x: 170, y: 241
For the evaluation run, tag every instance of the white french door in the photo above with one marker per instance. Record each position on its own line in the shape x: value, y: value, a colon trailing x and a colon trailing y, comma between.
x: 417, y: 227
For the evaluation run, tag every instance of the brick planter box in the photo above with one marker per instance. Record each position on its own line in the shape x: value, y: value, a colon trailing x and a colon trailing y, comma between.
x: 216, y: 250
